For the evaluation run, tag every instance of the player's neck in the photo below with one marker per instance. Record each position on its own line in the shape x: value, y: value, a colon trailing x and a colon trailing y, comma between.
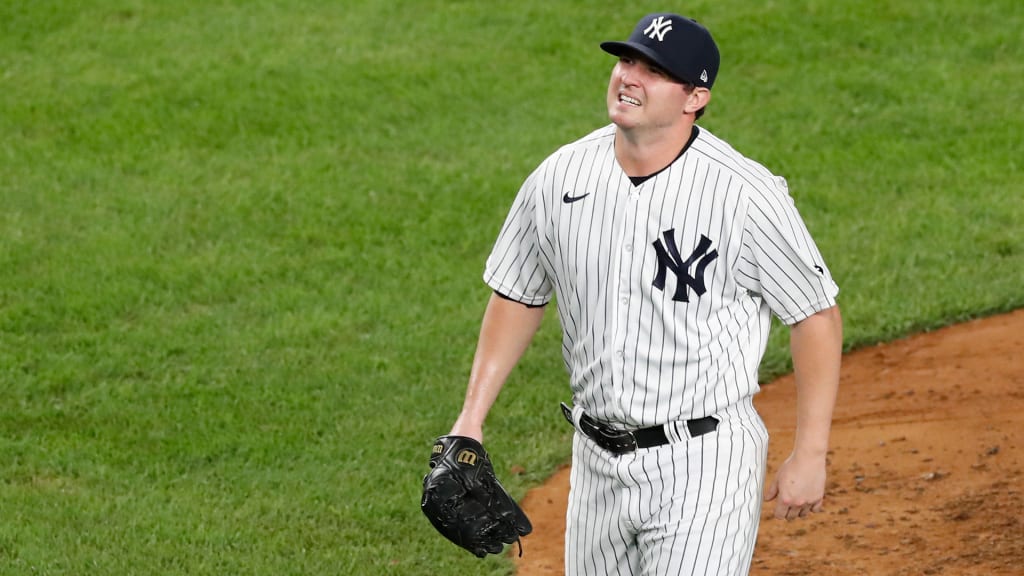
x: 644, y: 152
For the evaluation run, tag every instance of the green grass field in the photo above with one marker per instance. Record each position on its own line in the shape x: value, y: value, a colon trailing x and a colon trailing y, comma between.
x: 241, y: 244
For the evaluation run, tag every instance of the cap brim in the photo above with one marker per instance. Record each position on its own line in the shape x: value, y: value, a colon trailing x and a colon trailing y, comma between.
x: 620, y: 48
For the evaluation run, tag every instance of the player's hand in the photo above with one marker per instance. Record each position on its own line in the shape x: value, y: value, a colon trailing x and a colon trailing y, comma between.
x: 799, y: 487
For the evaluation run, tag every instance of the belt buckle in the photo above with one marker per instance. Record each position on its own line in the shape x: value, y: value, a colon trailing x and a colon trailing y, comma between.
x: 616, y: 440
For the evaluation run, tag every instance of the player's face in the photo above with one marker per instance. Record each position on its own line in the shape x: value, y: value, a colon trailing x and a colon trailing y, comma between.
x: 642, y: 95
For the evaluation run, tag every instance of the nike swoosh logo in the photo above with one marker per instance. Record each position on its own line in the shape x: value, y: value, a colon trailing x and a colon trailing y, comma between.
x: 570, y: 199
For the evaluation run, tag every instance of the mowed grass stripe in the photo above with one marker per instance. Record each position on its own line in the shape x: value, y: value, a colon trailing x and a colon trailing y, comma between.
x: 242, y: 245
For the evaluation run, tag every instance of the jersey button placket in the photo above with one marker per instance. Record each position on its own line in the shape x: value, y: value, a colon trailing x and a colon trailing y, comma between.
x: 624, y: 250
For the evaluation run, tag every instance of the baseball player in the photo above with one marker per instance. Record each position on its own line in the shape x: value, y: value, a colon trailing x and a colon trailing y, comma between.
x: 667, y: 252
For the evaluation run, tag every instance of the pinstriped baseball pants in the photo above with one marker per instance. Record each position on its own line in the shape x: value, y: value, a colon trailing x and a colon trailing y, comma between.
x: 690, y: 507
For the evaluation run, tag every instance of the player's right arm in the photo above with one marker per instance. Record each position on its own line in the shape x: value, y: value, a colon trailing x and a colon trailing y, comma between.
x: 505, y: 333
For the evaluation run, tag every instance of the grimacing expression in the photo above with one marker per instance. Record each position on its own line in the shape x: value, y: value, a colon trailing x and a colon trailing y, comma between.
x: 642, y: 95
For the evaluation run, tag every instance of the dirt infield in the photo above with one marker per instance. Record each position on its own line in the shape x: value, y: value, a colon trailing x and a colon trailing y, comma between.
x: 925, y: 470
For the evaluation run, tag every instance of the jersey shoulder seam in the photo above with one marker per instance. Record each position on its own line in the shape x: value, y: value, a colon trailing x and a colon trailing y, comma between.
x: 751, y: 172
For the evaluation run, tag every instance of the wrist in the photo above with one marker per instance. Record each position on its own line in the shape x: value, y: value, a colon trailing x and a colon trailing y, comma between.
x: 465, y: 426
x: 811, y: 442
x: 810, y: 452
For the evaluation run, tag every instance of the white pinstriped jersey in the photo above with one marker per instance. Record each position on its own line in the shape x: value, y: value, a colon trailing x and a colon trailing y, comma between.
x: 665, y: 289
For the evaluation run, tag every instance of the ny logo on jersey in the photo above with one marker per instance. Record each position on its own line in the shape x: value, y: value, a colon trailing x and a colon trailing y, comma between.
x: 658, y: 28
x: 669, y: 259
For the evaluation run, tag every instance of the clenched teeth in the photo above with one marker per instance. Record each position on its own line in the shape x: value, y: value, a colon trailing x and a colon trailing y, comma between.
x: 628, y: 100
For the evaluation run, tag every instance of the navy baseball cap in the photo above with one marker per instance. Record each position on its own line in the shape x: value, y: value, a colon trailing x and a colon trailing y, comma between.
x: 679, y: 45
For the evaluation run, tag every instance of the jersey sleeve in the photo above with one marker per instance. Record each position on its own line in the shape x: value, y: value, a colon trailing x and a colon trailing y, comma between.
x: 778, y: 258
x: 514, y: 268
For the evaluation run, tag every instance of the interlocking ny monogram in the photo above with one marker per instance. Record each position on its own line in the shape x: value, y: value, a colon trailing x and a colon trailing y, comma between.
x: 669, y: 259
x: 658, y: 28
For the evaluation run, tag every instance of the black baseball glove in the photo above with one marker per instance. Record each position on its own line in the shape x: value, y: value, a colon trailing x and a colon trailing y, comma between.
x: 465, y: 502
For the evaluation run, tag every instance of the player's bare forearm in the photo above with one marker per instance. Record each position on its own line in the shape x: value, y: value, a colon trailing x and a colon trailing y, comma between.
x: 816, y: 344
x: 505, y: 333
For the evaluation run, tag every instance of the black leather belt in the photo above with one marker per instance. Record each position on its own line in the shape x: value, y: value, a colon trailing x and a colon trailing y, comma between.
x: 625, y: 441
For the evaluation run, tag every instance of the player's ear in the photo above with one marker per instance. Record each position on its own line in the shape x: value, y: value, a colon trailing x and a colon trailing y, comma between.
x: 697, y: 99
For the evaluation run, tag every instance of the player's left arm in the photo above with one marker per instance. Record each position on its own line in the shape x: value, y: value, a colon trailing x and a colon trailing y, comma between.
x: 816, y: 346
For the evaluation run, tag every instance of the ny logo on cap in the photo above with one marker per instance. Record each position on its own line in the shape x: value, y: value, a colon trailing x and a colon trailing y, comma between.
x: 658, y: 28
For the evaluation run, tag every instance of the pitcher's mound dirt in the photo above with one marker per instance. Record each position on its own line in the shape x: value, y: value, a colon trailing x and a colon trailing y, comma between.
x: 925, y: 470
